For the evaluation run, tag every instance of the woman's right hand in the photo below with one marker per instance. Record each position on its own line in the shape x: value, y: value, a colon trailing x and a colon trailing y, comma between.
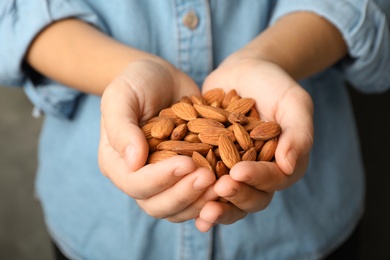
x: 174, y: 188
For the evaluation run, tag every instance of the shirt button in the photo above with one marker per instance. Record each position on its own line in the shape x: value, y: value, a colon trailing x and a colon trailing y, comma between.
x: 191, y: 20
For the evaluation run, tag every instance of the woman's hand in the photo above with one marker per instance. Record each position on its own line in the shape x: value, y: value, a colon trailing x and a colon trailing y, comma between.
x: 250, y: 185
x: 172, y: 188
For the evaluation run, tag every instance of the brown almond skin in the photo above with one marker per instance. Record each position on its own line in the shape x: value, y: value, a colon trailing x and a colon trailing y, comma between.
x: 160, y: 155
x: 192, y: 138
x: 179, y: 132
x: 211, y: 158
x: 153, y: 143
x: 211, y: 135
x: 184, y: 111
x: 162, y: 128
x: 266, y: 131
x: 250, y: 155
x: 242, y: 105
x: 199, y: 125
x: 200, y: 161
x: 242, y: 137
x: 215, y: 113
x: 216, y: 94
x: 221, y: 169
x: 237, y: 117
x: 268, y: 150
x: 228, y: 96
x: 228, y: 151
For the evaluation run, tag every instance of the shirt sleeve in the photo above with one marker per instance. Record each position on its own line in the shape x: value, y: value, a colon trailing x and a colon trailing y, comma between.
x: 20, y: 22
x: 365, y: 30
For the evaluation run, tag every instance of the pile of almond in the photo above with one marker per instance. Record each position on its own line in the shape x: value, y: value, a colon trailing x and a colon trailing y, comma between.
x: 217, y: 130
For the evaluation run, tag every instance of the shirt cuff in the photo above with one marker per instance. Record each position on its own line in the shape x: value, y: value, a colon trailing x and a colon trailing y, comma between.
x: 364, y: 29
x: 20, y: 23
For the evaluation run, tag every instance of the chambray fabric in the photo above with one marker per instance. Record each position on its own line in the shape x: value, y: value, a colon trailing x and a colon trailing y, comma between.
x: 90, y: 218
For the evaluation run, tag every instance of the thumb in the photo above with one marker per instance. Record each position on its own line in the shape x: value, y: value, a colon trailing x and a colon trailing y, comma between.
x: 120, y: 128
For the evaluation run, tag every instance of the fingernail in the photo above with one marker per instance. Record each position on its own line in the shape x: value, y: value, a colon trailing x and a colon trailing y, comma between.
x: 200, y: 184
x: 291, y: 159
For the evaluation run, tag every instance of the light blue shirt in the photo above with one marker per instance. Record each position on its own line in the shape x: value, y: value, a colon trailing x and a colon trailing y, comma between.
x: 90, y: 218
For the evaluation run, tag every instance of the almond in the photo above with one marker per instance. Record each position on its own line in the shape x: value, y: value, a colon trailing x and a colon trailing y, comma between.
x: 184, y: 111
x: 146, y: 129
x: 198, y: 100
x: 189, y: 148
x: 221, y: 169
x: 242, y: 137
x: 192, y: 138
x: 153, y: 142
x: 237, y: 117
x: 228, y: 151
x: 179, y: 132
x: 268, y: 150
x: 201, y: 124
x: 211, y: 158
x: 186, y: 99
x: 162, y: 128
x: 266, y: 131
x: 160, y: 155
x: 211, y: 135
x: 252, y: 123
x: 250, y: 155
x: 200, y: 161
x: 242, y: 105
x: 216, y: 94
x: 209, y: 112
x: 226, y: 100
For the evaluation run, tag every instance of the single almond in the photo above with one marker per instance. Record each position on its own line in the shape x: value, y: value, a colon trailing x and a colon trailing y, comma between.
x: 179, y: 132
x: 146, y: 129
x: 162, y: 128
x: 211, y: 158
x: 189, y: 148
x: 198, y: 100
x: 258, y: 144
x: 253, y: 113
x: 160, y: 155
x: 237, y: 117
x: 167, y: 112
x: 268, y: 150
x: 209, y: 112
x: 226, y: 100
x: 266, y: 131
x: 192, y: 138
x: 216, y: 94
x: 211, y: 135
x: 199, y: 125
x: 200, y: 161
x: 153, y: 143
x: 186, y: 99
x: 250, y: 155
x: 252, y: 123
x: 228, y: 151
x: 184, y: 111
x: 221, y: 169
x: 242, y: 137
x: 242, y: 105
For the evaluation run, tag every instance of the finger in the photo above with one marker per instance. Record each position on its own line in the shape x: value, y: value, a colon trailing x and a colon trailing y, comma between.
x: 296, y: 120
x: 120, y: 114
x: 264, y: 176
x: 218, y: 213
x: 147, y: 181
x: 242, y: 195
x: 179, y: 196
x: 193, y: 210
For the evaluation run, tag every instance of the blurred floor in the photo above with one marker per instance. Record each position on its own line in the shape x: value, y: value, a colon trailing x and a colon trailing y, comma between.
x: 22, y: 232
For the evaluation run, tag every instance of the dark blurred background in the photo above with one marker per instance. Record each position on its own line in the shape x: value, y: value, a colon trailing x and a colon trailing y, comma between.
x: 22, y: 231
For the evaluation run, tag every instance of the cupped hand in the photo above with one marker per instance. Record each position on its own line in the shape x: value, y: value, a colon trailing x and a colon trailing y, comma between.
x: 250, y: 185
x: 173, y: 188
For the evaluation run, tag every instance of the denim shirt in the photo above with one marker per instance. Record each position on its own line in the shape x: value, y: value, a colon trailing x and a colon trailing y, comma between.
x: 89, y: 218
